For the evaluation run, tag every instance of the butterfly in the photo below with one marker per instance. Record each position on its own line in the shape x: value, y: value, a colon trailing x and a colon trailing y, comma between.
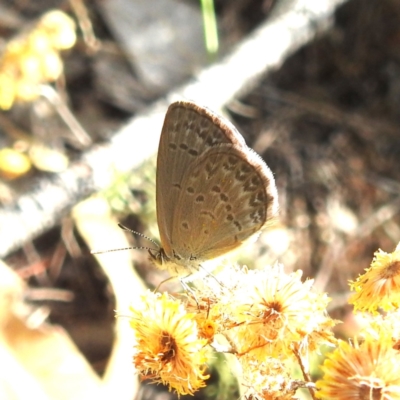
x: 212, y: 191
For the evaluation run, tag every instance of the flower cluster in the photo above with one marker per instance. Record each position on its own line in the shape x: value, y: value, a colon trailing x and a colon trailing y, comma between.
x: 369, y: 366
x: 271, y: 322
x: 267, y: 319
x: 34, y: 58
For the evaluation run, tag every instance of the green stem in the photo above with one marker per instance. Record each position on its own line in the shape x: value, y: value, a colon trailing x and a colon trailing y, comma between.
x: 210, y: 26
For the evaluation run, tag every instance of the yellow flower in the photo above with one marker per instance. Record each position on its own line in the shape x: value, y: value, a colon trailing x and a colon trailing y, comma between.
x: 168, y: 349
x: 38, y: 42
x: 273, y: 312
x: 207, y: 327
x: 33, y: 58
x: 370, y: 370
x: 26, y: 90
x: 59, y: 28
x: 7, y: 91
x: 204, y: 305
x: 51, y: 66
x: 380, y: 285
x: 29, y: 65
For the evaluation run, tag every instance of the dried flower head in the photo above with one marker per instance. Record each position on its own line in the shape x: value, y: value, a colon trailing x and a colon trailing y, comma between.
x: 168, y: 349
x: 370, y: 370
x: 272, y: 311
x: 380, y: 285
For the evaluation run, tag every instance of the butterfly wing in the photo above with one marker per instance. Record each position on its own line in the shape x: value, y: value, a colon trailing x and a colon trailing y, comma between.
x: 227, y: 195
x: 188, y: 132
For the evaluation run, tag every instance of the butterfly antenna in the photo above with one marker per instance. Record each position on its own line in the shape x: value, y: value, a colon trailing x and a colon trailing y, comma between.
x: 111, y: 250
x: 123, y: 227
x: 119, y: 249
x: 128, y: 248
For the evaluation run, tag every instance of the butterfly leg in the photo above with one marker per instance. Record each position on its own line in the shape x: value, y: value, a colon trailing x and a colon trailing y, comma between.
x: 162, y: 282
x: 212, y: 275
x: 187, y: 288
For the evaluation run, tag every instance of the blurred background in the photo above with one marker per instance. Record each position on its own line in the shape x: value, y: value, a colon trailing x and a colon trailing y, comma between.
x: 84, y: 87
